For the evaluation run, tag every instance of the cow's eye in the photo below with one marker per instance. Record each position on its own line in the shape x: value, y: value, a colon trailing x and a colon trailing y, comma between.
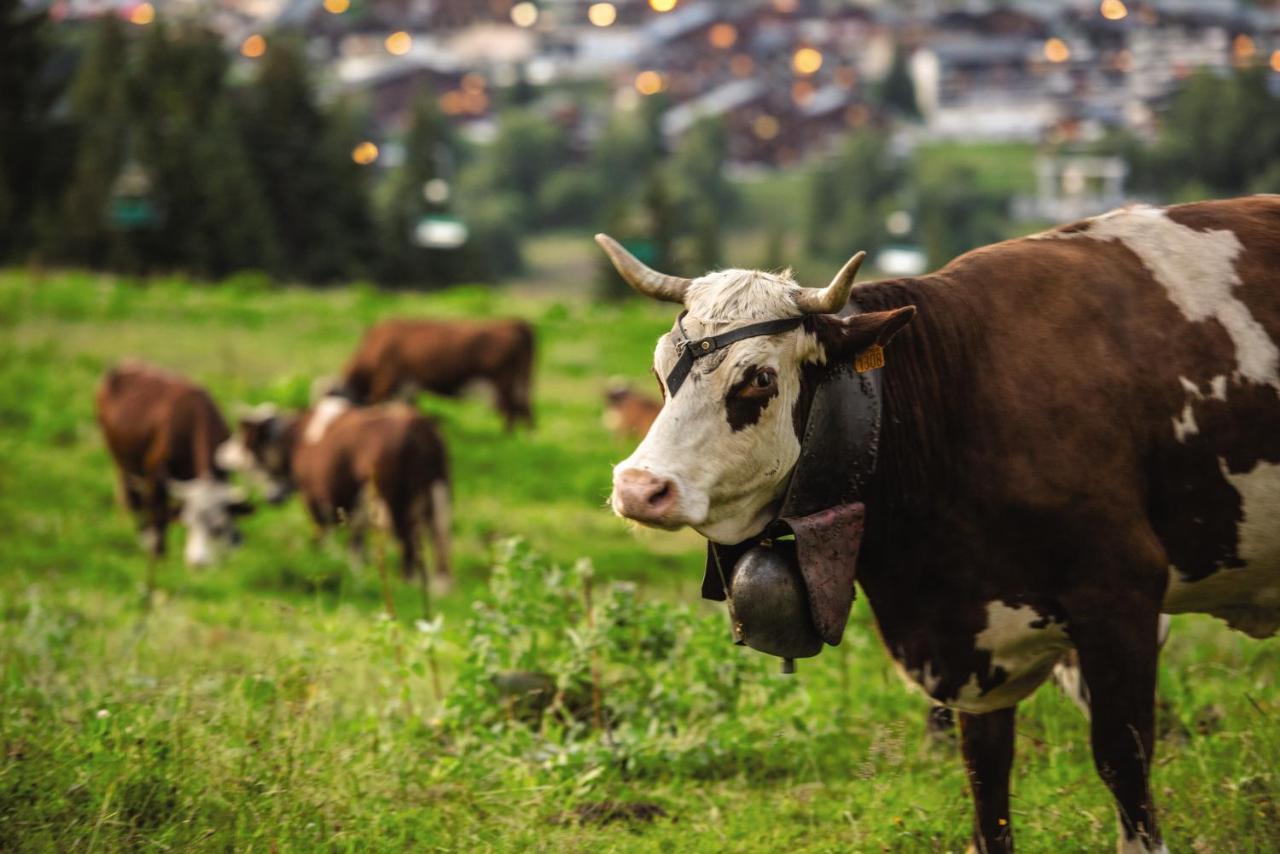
x: 765, y: 379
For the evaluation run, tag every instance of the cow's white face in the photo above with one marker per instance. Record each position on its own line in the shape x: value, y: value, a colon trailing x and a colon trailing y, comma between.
x: 718, y: 456
x: 208, y: 511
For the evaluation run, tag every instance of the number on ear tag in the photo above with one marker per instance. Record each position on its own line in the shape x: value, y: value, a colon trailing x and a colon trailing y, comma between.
x: 869, y: 359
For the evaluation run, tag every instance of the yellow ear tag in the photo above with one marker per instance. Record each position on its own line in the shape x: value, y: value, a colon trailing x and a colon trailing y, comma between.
x: 869, y: 359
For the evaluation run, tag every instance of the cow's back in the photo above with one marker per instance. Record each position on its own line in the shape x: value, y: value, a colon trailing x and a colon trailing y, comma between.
x: 390, y: 450
x: 438, y: 356
x: 156, y: 422
x: 1130, y: 377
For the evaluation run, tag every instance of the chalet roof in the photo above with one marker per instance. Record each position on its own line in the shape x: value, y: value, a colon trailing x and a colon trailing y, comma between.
x: 720, y: 100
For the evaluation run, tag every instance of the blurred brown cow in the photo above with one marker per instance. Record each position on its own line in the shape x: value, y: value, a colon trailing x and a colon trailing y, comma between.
x: 627, y: 412
x: 383, y: 465
x: 163, y: 432
x: 400, y: 357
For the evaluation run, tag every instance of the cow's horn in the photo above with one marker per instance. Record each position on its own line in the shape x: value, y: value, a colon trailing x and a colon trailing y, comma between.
x: 643, y: 278
x: 833, y: 297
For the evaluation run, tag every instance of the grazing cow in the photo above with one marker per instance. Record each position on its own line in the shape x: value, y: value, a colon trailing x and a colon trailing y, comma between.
x: 163, y: 432
x: 1079, y: 430
x: 381, y: 464
x: 401, y: 357
x: 628, y: 413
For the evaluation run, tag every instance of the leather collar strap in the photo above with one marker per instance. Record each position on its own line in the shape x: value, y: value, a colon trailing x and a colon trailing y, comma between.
x: 693, y: 349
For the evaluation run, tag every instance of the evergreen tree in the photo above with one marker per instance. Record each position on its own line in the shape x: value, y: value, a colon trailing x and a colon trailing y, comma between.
x: 29, y: 172
x: 1221, y: 132
x: 957, y: 214
x: 898, y: 92
x: 431, y: 150
x: 527, y: 150
x: 705, y: 197
x: 850, y: 197
x: 698, y: 171
x: 214, y: 217
x: 100, y: 109
x: 316, y: 195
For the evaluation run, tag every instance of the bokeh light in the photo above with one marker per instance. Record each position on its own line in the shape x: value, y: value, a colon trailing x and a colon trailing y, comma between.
x: 742, y: 65
x: 254, y: 46
x: 336, y: 7
x: 786, y: 6
x: 766, y: 127
x: 602, y: 14
x: 399, y: 43
x: 1056, y: 50
x: 723, y: 35
x: 807, y: 60
x: 364, y: 153
x: 649, y: 83
x: 1275, y: 61
x: 475, y: 101
x: 1113, y: 10
x: 662, y: 5
x: 524, y: 14
x: 142, y: 14
x: 453, y: 102
x: 1243, y: 47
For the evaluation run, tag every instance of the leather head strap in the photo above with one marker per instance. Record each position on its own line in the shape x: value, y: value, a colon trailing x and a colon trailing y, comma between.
x: 693, y: 349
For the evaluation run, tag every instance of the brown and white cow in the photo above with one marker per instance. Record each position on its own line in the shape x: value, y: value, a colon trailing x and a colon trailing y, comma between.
x: 163, y: 432
x: 355, y: 466
x: 401, y: 357
x: 1080, y: 430
x: 628, y: 414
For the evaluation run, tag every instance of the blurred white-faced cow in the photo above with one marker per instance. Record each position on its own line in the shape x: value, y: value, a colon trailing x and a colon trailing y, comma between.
x: 401, y: 357
x: 384, y: 465
x: 1079, y: 430
x: 163, y: 432
x: 628, y: 413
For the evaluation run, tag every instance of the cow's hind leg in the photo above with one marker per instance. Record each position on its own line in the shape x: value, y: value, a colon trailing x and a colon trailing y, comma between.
x: 405, y: 524
x: 1066, y: 673
x: 439, y: 523
x: 987, y: 743
x: 1118, y: 663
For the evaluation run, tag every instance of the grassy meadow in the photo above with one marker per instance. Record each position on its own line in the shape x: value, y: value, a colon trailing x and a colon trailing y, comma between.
x: 271, y: 703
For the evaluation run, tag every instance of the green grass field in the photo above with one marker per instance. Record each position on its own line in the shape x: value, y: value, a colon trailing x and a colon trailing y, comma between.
x: 269, y: 704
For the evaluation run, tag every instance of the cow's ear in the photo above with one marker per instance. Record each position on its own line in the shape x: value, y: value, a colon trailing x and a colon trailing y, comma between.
x: 845, y: 338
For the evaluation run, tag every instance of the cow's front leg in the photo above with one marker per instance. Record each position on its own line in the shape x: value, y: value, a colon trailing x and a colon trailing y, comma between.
x: 1118, y: 661
x: 987, y: 742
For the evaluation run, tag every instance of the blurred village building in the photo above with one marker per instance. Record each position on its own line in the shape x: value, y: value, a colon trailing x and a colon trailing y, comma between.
x: 789, y: 77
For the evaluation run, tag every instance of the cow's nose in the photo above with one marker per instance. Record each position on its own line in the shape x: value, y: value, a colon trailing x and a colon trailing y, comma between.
x: 643, y: 496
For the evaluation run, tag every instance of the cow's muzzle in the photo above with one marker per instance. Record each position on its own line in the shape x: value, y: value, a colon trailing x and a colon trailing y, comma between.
x: 645, y: 497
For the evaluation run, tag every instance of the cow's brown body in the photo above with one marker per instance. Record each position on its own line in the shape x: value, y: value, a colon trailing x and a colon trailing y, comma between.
x: 352, y: 466
x: 1061, y: 437
x: 402, y: 356
x: 1080, y: 430
x: 628, y: 413
x: 160, y: 428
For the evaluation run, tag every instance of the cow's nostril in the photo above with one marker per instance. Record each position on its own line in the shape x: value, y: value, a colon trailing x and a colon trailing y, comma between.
x: 661, y: 495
